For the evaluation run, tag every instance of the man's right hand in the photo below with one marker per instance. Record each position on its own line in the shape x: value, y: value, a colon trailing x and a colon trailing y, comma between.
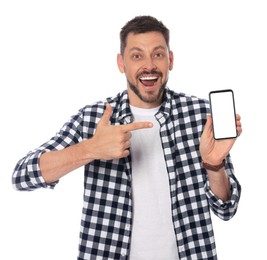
x: 109, y: 142
x: 113, y: 141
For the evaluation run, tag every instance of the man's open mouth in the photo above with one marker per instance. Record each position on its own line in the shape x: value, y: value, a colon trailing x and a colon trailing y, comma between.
x: 148, y: 80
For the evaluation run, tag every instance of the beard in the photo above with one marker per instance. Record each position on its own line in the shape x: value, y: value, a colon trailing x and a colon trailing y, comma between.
x: 150, y: 97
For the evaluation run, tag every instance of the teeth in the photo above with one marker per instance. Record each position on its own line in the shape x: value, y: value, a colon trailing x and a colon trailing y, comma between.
x: 148, y: 78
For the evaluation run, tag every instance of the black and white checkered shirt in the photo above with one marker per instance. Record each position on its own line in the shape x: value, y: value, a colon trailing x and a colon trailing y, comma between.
x: 108, y: 209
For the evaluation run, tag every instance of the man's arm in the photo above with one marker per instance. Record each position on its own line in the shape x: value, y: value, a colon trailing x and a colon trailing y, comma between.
x: 214, y: 152
x: 109, y: 142
x: 219, y: 183
x: 56, y: 164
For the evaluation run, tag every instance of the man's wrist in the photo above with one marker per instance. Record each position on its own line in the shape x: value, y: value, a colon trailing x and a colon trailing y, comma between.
x: 212, y: 167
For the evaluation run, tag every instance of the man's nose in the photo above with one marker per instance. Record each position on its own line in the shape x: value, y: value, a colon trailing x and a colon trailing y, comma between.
x: 149, y: 64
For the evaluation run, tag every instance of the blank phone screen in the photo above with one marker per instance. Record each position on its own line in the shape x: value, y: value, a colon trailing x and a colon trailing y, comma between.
x: 223, y: 114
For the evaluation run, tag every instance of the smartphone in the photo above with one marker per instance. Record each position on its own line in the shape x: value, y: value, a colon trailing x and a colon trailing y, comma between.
x: 222, y: 106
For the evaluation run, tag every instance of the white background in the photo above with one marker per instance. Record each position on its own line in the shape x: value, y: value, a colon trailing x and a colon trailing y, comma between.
x: 57, y: 56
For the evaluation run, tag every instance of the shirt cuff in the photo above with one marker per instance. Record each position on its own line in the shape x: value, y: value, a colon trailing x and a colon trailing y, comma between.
x: 34, y: 172
x: 217, y: 202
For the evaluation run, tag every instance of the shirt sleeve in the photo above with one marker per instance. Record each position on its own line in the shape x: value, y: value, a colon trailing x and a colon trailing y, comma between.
x: 225, y: 209
x: 27, y: 175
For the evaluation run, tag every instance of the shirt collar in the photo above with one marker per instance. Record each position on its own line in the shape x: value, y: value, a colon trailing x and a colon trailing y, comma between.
x: 124, y: 112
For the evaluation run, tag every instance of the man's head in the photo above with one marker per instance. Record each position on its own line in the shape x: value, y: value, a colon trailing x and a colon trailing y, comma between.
x: 143, y: 24
x: 145, y: 59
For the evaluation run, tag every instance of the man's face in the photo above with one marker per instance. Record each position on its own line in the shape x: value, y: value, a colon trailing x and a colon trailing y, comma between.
x: 146, y: 62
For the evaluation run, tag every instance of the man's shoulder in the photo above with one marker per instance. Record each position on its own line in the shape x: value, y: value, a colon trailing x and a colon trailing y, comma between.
x: 97, y: 108
x: 185, y: 99
x: 118, y: 98
x: 186, y: 104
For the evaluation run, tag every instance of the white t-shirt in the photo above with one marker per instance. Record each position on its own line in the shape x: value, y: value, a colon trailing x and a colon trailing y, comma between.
x: 153, y: 236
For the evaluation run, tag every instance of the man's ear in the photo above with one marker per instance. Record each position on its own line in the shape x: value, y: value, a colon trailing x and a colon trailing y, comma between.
x: 120, y: 63
x: 171, y: 58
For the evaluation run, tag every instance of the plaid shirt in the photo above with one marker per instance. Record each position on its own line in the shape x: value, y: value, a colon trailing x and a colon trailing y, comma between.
x: 108, y: 208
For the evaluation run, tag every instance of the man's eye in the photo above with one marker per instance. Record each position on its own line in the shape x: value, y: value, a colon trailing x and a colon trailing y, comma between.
x: 136, y: 56
x: 158, y: 55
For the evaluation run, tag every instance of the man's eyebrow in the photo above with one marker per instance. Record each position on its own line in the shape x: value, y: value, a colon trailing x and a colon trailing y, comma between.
x: 160, y: 47
x: 155, y: 49
x: 135, y: 49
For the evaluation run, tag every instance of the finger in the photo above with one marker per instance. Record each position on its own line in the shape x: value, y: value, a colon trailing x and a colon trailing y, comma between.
x: 125, y: 153
x: 127, y: 136
x: 208, y: 125
x: 137, y: 126
x: 107, y: 114
x: 238, y: 117
x: 239, y: 128
x: 127, y: 145
x: 239, y: 131
x: 238, y: 124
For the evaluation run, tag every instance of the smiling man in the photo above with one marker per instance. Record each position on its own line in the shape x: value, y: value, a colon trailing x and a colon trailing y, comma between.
x: 148, y: 193
x: 146, y: 61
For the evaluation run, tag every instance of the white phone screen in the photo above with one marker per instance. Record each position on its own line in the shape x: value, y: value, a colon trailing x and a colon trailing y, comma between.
x: 223, y: 114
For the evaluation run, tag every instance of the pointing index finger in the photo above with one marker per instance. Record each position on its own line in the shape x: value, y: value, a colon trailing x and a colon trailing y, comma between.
x: 137, y: 126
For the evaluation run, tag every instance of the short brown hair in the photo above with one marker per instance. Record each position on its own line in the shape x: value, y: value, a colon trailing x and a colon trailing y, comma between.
x: 142, y: 24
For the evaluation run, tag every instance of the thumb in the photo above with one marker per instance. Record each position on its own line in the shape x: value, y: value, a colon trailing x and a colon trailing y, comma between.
x: 208, y: 126
x: 107, y: 114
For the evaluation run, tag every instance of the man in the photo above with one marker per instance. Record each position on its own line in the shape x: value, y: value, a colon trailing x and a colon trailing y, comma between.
x: 152, y: 169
